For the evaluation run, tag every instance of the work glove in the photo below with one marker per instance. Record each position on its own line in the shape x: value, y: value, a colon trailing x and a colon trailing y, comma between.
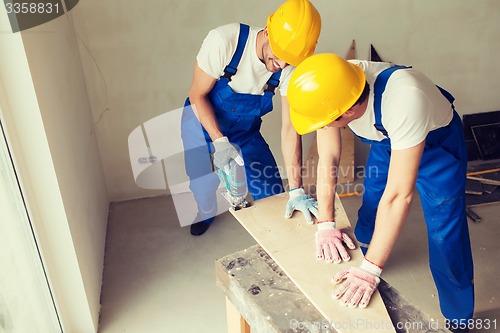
x: 299, y: 200
x: 357, y: 284
x: 224, y: 153
x: 329, y: 243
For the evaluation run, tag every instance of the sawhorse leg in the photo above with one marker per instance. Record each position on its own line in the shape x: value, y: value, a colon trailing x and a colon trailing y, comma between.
x: 235, y: 322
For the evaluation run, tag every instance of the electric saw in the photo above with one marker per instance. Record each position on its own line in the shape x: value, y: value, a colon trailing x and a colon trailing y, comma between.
x: 234, y: 180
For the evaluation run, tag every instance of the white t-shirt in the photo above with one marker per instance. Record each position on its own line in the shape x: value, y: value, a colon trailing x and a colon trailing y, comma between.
x: 412, y: 106
x: 217, y: 51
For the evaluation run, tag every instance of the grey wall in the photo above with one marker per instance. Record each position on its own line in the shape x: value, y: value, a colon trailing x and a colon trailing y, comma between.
x: 138, y: 56
x: 56, y: 70
x: 45, y: 112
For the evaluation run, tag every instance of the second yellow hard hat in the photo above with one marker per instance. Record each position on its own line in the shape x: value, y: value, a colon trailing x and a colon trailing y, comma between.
x: 321, y: 89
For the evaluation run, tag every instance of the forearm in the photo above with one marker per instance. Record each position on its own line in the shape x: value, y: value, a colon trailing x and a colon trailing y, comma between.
x: 391, y: 216
x: 205, y: 114
x: 395, y: 202
x: 291, y: 148
x: 329, y: 152
x: 326, y: 187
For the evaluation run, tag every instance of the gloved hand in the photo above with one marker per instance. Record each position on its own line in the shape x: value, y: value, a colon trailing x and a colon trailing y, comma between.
x: 329, y: 243
x: 356, y: 285
x: 299, y: 200
x: 224, y: 152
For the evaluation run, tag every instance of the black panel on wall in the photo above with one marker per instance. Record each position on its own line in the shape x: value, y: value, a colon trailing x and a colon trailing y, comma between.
x: 488, y: 136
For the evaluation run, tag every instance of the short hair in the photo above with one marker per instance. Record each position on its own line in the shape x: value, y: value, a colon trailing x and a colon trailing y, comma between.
x: 364, y: 94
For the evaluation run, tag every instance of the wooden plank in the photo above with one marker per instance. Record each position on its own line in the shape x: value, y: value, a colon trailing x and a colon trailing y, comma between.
x: 492, y: 178
x: 482, y: 200
x: 482, y: 172
x: 291, y: 244
x: 475, y: 171
x: 480, y: 167
x: 351, y: 53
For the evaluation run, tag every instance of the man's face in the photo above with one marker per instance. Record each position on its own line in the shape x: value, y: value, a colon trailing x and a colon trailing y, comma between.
x: 273, y: 64
x: 341, y: 121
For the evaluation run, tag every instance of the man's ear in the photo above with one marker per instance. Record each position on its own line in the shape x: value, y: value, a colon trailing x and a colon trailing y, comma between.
x: 265, y: 32
x: 349, y: 113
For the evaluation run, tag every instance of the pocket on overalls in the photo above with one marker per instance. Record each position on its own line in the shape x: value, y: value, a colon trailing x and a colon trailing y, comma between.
x: 239, y: 105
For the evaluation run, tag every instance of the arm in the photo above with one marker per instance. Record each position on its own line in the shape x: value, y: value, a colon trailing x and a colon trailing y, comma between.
x: 201, y: 85
x: 356, y: 285
x: 329, y: 240
x: 395, y: 202
x: 291, y: 147
x: 198, y: 95
x: 329, y: 151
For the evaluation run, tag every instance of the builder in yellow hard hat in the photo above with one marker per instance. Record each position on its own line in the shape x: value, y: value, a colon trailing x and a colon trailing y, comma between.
x: 236, y: 73
x: 416, y: 138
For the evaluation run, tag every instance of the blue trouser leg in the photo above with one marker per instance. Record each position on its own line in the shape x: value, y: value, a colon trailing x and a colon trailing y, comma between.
x: 263, y: 177
x: 441, y: 184
x: 238, y: 116
x: 203, y: 181
x: 377, y: 168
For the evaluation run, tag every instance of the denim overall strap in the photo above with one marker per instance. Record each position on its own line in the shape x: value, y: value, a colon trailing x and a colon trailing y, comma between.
x: 242, y: 104
x: 273, y: 83
x: 446, y: 94
x: 232, y: 67
x: 378, y: 90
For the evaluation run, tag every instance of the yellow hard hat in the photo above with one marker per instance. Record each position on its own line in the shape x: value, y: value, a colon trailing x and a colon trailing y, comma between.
x: 321, y: 89
x: 294, y: 31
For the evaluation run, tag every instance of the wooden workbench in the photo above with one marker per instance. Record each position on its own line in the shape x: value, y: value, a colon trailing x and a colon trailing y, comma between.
x: 291, y: 244
x: 288, y: 247
x: 261, y: 297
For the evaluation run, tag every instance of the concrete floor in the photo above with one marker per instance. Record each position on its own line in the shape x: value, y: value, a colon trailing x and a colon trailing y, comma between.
x: 158, y: 278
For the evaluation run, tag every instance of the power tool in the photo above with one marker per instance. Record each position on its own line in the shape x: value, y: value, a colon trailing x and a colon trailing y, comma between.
x: 234, y: 179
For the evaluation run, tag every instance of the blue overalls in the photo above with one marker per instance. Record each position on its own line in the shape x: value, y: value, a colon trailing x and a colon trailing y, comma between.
x: 441, y: 184
x: 239, y: 117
